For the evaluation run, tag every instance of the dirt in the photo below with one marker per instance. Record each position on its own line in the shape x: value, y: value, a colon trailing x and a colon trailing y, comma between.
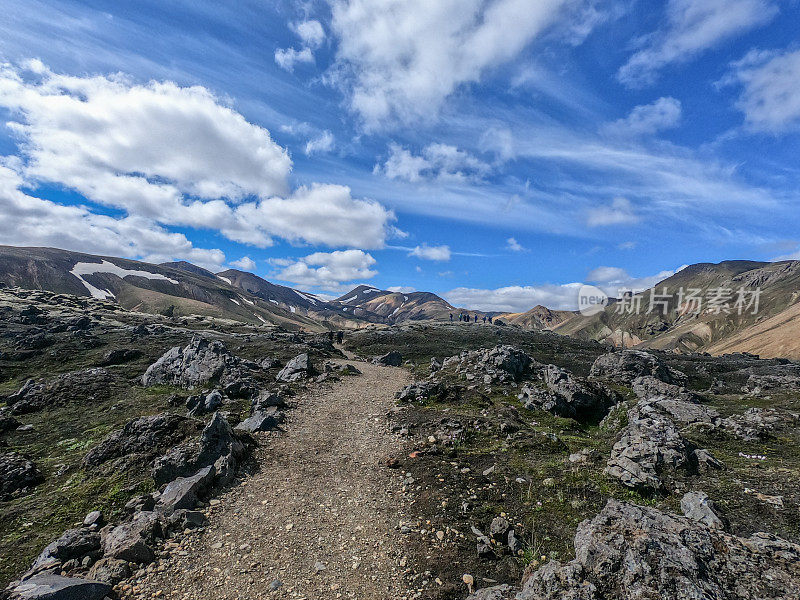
x: 319, y: 518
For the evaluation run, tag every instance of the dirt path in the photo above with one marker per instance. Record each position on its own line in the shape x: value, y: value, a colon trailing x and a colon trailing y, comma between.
x: 317, y: 521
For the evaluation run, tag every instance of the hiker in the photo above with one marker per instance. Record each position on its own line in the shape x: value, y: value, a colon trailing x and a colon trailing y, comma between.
x: 484, y: 319
x: 330, y: 336
x: 490, y: 320
x: 451, y: 317
x: 339, y: 336
x: 476, y: 318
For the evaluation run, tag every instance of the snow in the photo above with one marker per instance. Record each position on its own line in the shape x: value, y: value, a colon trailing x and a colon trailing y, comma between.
x: 225, y: 279
x: 260, y: 318
x: 250, y: 302
x: 305, y: 296
x: 405, y: 298
x: 293, y: 309
x: 273, y: 301
x: 236, y: 302
x: 350, y: 299
x: 81, y: 269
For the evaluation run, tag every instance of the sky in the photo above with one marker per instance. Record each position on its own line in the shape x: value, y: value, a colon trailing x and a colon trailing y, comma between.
x: 496, y: 152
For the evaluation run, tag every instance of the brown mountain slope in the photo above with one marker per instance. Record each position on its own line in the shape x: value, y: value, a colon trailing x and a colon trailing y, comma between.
x: 540, y: 317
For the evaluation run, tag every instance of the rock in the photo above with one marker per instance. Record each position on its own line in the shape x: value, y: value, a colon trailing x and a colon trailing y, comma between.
x: 120, y: 356
x: 758, y: 384
x: 129, y: 541
x: 300, y: 367
x: 484, y: 544
x: 55, y: 587
x: 267, y: 400
x: 680, y: 411
x: 699, y: 507
x: 94, y: 518
x: 498, y: 592
x: 18, y: 474
x: 627, y: 365
x: 648, y: 448
x: 73, y: 544
x: 630, y: 551
x: 8, y: 423
x: 420, y: 391
x: 648, y: 387
x: 217, y: 441
x: 185, y: 492
x: 390, y: 359
x: 197, y: 363
x: 267, y: 419
x: 569, y: 396
x: 757, y: 424
x: 68, y: 388
x: 204, y: 403
x: 706, y: 461
x: 110, y: 571
x: 341, y: 369
x: 142, y: 439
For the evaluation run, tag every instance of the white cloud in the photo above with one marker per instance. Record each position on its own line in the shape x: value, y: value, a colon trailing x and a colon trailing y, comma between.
x: 400, y: 59
x: 31, y: 221
x: 770, y: 98
x: 441, y: 162
x: 245, y: 264
x: 322, y: 143
x: 311, y: 32
x: 626, y: 246
x: 664, y: 113
x: 555, y: 296
x: 619, y: 212
x: 174, y: 156
x: 402, y: 289
x: 513, y: 245
x: 693, y: 26
x: 425, y: 252
x: 287, y: 58
x: 327, y: 270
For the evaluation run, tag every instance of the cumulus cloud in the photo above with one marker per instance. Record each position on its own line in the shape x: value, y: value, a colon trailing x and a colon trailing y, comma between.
x: 287, y: 58
x: 327, y: 270
x: 322, y: 143
x: 693, y: 26
x: 426, y: 252
x: 619, y: 212
x: 555, y: 296
x: 30, y: 221
x: 176, y: 157
x: 400, y: 59
x: 664, y: 113
x: 441, y: 162
x: 770, y: 98
x: 310, y: 32
x: 513, y: 245
x: 245, y: 264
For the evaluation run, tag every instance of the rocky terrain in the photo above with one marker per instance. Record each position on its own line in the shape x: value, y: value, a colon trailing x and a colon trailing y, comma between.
x: 146, y: 455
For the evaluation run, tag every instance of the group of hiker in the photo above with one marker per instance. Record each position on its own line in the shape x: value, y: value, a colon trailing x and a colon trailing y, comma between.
x: 465, y: 318
x: 337, y: 335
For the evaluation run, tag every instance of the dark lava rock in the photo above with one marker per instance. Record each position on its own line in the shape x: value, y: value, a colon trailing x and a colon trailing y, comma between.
x: 54, y: 587
x: 197, y: 363
x: 627, y: 365
x: 142, y: 439
x: 630, y: 551
x: 73, y: 543
x: 300, y: 367
x: 74, y: 388
x: 390, y: 359
x: 17, y: 474
x: 570, y: 396
x: 120, y: 356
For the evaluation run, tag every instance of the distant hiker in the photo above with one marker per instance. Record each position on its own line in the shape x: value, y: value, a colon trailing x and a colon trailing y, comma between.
x: 484, y: 319
x: 476, y: 318
x: 330, y: 336
x: 490, y: 320
x: 339, y: 336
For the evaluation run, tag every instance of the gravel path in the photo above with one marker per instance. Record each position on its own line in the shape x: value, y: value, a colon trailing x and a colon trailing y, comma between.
x: 318, y: 520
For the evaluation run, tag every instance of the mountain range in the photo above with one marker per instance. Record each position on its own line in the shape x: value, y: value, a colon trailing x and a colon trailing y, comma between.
x: 696, y: 310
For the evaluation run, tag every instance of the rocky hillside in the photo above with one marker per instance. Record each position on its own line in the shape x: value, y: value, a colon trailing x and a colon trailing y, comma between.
x: 699, y: 309
x: 399, y: 307
x: 539, y: 317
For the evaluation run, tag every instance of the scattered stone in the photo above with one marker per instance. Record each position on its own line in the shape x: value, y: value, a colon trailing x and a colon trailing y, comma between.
x: 18, y: 474
x: 626, y: 365
x: 55, y: 587
x: 390, y: 359
x: 300, y: 367
x: 197, y: 363
x: 699, y: 507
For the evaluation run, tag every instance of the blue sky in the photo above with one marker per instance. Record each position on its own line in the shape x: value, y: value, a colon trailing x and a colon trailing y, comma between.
x: 494, y: 151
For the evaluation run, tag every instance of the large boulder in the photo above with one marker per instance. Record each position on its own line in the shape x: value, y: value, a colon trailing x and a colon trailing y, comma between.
x: 626, y: 365
x: 699, y: 507
x: 131, y: 541
x: 498, y: 365
x: 569, y: 396
x: 198, y: 363
x: 185, y: 492
x: 18, y: 474
x: 73, y: 544
x: 75, y: 387
x: 390, y: 359
x: 300, y: 367
x: 201, y: 404
x: 650, y: 387
x: 636, y: 552
x: 263, y: 419
x: 651, y: 449
x: 143, y: 439
x: 55, y: 587
x: 218, y: 445
x: 758, y: 424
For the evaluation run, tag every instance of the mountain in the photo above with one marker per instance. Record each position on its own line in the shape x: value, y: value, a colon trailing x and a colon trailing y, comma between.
x: 719, y: 325
x: 179, y: 289
x: 396, y: 307
x: 539, y: 317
